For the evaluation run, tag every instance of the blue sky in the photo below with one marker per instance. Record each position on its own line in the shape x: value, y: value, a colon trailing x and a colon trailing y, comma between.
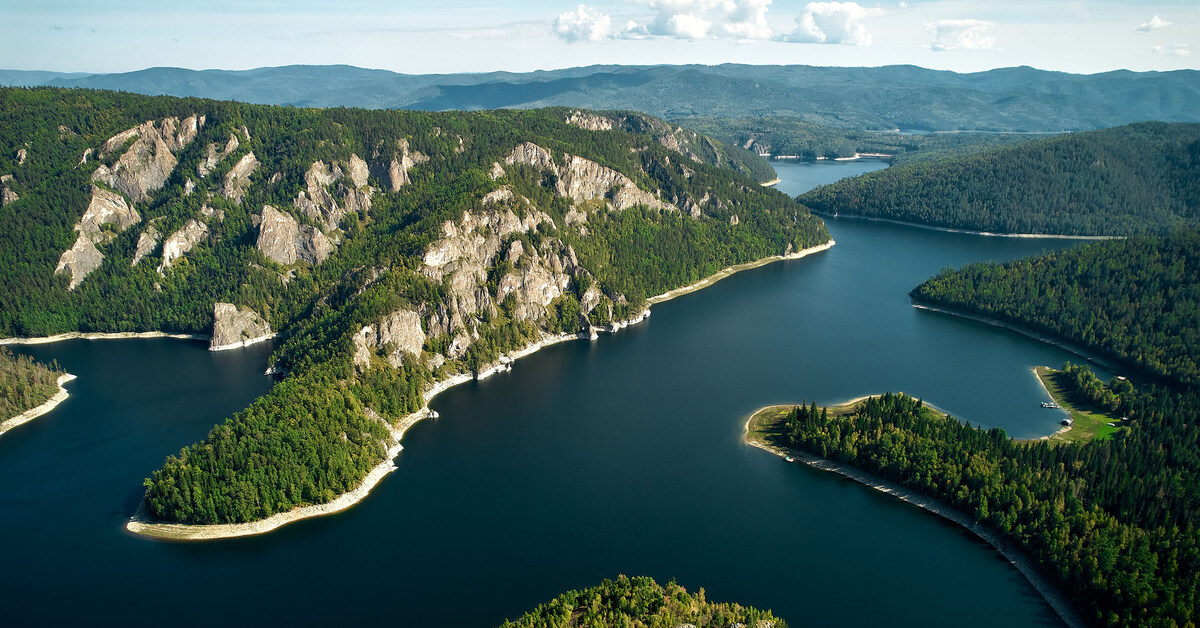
x: 421, y: 36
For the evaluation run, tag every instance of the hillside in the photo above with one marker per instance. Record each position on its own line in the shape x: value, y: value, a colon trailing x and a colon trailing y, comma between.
x: 890, y: 97
x: 1135, y: 179
x: 387, y: 250
x: 1136, y: 300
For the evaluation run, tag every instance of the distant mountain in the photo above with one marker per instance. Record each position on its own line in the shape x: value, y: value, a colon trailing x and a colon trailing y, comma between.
x: 906, y: 97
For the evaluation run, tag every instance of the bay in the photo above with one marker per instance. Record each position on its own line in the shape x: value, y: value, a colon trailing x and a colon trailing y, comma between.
x: 588, y: 460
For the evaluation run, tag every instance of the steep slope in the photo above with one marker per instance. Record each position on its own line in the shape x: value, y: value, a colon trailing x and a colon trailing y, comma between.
x: 388, y: 250
x: 1136, y: 179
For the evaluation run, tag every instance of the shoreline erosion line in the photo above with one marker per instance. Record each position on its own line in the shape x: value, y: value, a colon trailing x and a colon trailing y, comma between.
x: 144, y: 525
x: 990, y: 234
x: 1049, y: 592
x: 120, y: 335
x: 44, y: 408
x: 1082, y: 352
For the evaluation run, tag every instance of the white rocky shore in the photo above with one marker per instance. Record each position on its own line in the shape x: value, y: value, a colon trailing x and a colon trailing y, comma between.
x: 75, y: 335
x: 34, y: 413
x: 144, y: 525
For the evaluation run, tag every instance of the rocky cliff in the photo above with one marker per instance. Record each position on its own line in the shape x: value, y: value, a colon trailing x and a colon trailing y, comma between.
x: 144, y: 167
x: 285, y: 241
x: 583, y: 180
x: 106, y: 208
x: 181, y: 242
x: 235, y: 327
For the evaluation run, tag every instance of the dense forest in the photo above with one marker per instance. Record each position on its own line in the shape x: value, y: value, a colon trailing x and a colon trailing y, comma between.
x: 1112, y: 522
x: 1135, y: 300
x: 414, y: 246
x: 808, y: 141
x: 1136, y: 179
x: 641, y: 602
x: 24, y: 383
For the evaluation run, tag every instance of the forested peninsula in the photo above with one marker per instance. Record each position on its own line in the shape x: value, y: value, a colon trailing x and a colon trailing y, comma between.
x: 1136, y: 179
x: 385, y: 251
x: 28, y: 389
x: 1112, y: 521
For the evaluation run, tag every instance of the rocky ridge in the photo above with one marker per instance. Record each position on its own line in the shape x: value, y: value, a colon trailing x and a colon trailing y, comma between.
x: 144, y: 167
x: 105, y: 208
x: 235, y: 327
x: 583, y: 179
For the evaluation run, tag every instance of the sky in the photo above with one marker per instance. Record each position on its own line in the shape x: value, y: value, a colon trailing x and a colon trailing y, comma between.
x: 443, y: 36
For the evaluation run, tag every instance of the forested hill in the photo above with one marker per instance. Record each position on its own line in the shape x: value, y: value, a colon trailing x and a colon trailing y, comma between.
x: 1136, y: 179
x: 387, y: 249
x: 1135, y: 300
x: 889, y: 97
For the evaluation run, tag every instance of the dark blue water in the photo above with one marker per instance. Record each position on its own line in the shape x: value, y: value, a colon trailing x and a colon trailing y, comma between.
x: 588, y: 460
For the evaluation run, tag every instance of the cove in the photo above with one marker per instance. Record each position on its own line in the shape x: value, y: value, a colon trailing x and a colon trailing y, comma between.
x: 622, y: 455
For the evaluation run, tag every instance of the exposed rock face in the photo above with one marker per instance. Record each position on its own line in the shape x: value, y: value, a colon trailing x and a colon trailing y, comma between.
x: 238, y: 178
x: 236, y: 327
x: 215, y: 155
x: 83, y: 159
x: 21, y: 155
x: 8, y: 197
x: 589, y: 121
x: 79, y: 261
x: 284, y: 240
x: 105, y: 208
x: 733, y: 220
x: 402, y: 163
x: 357, y: 170
x: 145, y: 167
x: 497, y: 171
x: 181, y: 242
x: 147, y: 241
x: 399, y: 333
x: 584, y: 180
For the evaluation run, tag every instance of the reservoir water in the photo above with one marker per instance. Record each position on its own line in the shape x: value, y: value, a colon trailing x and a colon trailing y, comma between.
x: 588, y: 460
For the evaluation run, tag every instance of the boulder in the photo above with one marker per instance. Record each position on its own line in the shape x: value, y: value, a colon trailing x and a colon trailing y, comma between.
x: 235, y: 327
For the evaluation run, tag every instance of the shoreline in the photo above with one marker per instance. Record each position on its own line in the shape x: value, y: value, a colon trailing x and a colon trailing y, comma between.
x: 1046, y: 389
x: 121, y: 335
x: 1015, y: 556
x: 244, y: 343
x: 733, y: 270
x: 1082, y: 352
x: 144, y: 525
x: 990, y: 234
x: 772, y: 182
x: 46, y: 406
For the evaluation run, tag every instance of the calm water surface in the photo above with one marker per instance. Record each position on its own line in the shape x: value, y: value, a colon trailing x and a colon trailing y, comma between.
x: 588, y: 460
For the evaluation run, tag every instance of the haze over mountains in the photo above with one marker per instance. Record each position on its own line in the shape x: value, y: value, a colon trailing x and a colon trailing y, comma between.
x: 890, y: 97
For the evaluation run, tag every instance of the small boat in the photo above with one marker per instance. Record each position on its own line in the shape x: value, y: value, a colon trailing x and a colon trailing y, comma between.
x: 789, y: 459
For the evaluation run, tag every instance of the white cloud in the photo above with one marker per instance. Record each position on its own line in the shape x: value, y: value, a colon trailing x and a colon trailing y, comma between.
x: 832, y: 23
x: 703, y: 19
x: 583, y: 24
x: 961, y: 35
x: 1152, y: 24
x: 1174, y: 50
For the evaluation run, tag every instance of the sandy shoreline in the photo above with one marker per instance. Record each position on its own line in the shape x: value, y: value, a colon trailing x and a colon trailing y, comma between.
x: 1061, y: 344
x: 990, y: 234
x: 75, y: 335
x: 1046, y: 390
x: 34, y: 413
x: 772, y: 182
x: 244, y: 343
x: 144, y: 525
x: 732, y: 270
x: 1023, y: 564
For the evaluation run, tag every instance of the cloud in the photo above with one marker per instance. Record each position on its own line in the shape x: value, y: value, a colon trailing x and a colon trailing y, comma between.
x: 1174, y: 50
x: 961, y: 35
x: 583, y: 24
x: 703, y: 19
x: 1152, y: 24
x: 831, y: 23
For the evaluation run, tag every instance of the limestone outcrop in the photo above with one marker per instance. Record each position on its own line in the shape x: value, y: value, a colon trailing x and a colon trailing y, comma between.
x: 146, y: 243
x: 238, y: 178
x: 589, y: 121
x: 235, y: 327
x: 7, y: 196
x: 182, y: 241
x: 214, y: 155
x: 285, y: 241
x: 317, y: 203
x: 105, y: 208
x: 404, y: 160
x: 146, y: 164
x: 583, y: 180
x: 398, y: 333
